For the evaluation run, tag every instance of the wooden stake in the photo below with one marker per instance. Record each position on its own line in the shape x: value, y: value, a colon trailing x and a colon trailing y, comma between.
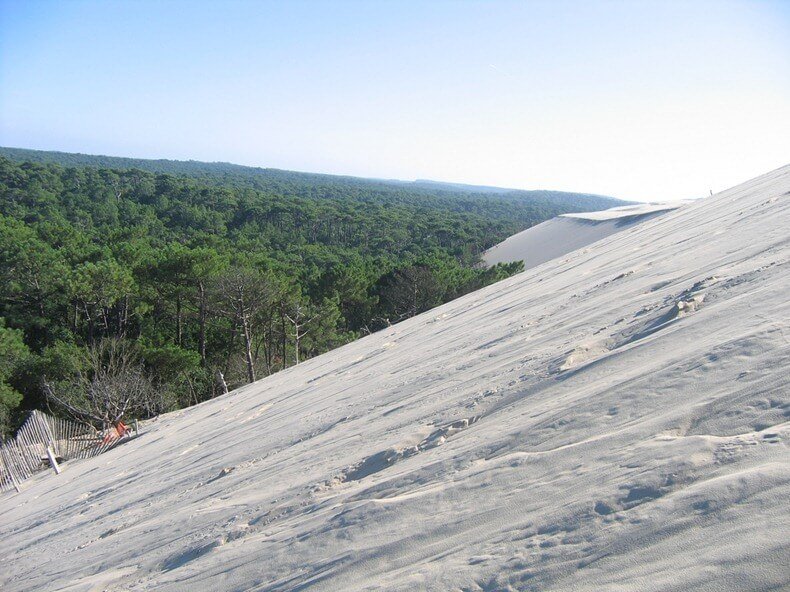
x: 52, y: 462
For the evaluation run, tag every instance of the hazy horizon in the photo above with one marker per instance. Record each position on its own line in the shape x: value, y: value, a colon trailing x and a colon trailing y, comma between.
x: 641, y: 101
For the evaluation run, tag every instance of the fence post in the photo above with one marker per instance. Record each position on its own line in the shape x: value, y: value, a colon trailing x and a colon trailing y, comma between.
x: 52, y: 462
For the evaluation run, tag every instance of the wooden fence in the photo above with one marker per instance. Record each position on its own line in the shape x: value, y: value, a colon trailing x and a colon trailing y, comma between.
x: 44, y: 441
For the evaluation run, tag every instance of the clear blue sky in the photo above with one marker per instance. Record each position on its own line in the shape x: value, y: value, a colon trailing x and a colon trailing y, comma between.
x: 641, y: 100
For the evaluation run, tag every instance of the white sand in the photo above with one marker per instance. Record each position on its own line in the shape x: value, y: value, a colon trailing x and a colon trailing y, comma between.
x: 568, y: 232
x: 628, y: 211
x: 613, y: 420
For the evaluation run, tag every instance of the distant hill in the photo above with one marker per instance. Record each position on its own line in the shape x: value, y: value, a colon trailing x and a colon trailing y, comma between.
x: 314, y: 184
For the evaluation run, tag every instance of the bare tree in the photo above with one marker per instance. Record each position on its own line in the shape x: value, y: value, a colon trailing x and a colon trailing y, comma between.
x: 299, y: 316
x: 111, y: 384
x: 241, y: 296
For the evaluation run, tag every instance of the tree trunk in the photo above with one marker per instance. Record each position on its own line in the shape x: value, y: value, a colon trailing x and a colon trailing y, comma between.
x: 91, y: 328
x: 248, y: 349
x: 202, y: 321
x: 221, y: 382
x: 123, y: 317
x: 285, y: 335
x: 179, y: 329
x: 268, y: 345
x: 76, y: 318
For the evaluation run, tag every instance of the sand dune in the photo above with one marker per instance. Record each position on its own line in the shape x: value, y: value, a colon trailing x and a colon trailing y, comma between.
x: 563, y: 234
x: 616, y: 419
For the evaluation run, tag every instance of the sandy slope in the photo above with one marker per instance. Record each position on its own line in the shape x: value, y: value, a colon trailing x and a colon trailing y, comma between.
x: 614, y: 420
x: 568, y: 232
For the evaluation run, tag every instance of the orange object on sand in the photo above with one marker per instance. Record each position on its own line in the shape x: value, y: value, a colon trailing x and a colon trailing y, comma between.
x: 116, y: 432
x: 121, y: 428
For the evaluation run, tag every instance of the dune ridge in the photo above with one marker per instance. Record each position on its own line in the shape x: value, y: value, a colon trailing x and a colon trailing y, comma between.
x: 568, y: 232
